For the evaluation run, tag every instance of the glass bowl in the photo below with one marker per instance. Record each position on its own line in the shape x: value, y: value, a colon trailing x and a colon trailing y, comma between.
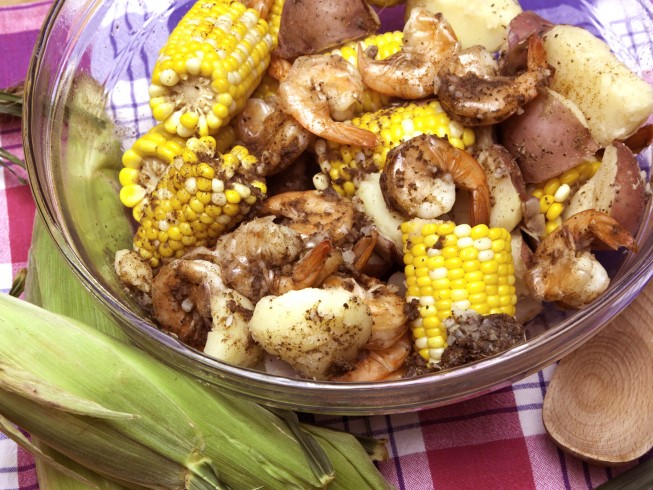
x: 86, y: 98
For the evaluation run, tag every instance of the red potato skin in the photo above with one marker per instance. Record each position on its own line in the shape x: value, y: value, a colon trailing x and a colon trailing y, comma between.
x: 313, y: 26
x: 629, y: 200
x: 546, y: 139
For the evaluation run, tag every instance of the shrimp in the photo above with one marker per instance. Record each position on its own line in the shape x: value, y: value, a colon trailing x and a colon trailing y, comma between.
x: 476, y: 95
x: 190, y: 300
x: 320, y: 91
x: 429, y: 41
x: 180, y: 300
x: 379, y: 365
x: 322, y: 213
x: 261, y: 257
x: 420, y: 177
x: 325, y: 215
x: 563, y: 268
x: 387, y: 308
x: 275, y: 138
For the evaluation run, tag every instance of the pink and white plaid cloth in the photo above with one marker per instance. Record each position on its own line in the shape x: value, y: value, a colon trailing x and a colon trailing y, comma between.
x: 496, y: 441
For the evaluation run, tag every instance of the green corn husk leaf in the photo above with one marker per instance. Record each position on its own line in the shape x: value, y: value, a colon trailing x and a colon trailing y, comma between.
x: 183, y: 435
x: 11, y: 101
x: 52, y: 285
x: 355, y: 470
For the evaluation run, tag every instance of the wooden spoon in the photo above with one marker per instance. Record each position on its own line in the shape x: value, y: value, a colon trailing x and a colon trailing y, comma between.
x: 599, y: 404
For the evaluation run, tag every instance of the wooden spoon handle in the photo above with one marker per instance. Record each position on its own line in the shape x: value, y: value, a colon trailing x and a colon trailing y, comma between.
x: 599, y: 403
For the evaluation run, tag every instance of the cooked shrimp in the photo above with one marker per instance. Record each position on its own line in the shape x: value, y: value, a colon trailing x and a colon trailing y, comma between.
x: 321, y: 90
x: 322, y: 213
x: 564, y: 269
x: 388, y: 309
x: 420, y: 177
x: 190, y: 300
x: 429, y: 41
x: 480, y: 98
x: 181, y: 300
x: 271, y: 135
x: 379, y: 365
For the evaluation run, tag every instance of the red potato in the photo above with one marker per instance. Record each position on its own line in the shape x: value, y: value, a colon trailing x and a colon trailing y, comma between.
x: 313, y: 26
x: 617, y: 189
x: 549, y: 137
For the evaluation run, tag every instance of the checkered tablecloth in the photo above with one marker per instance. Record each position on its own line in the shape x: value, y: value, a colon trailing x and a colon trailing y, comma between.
x: 496, y: 441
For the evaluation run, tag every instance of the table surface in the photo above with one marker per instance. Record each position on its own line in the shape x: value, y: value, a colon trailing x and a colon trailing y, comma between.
x: 493, y: 441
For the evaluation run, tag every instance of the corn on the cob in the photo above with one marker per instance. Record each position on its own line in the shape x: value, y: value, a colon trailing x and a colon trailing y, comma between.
x: 147, y: 161
x: 212, y: 62
x: 455, y: 267
x: 344, y: 164
x: 134, y: 419
x: 555, y: 192
x: 202, y: 195
x: 385, y: 45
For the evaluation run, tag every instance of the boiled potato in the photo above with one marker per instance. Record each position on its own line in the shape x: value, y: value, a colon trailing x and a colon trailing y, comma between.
x: 614, y: 100
x: 229, y: 339
x: 474, y: 21
x: 549, y: 137
x: 617, y: 189
x: 318, y: 332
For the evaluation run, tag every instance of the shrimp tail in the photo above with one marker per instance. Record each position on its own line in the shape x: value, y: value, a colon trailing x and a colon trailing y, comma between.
x: 611, y: 233
x: 346, y: 134
x: 536, y: 54
x: 278, y: 68
x: 364, y: 249
x: 306, y: 272
x: 480, y: 213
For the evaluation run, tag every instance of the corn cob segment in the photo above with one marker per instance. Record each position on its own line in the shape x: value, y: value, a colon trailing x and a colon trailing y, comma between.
x: 211, y: 63
x: 148, y: 159
x: 454, y: 267
x: 556, y: 192
x: 344, y: 165
x: 202, y: 195
x: 383, y: 46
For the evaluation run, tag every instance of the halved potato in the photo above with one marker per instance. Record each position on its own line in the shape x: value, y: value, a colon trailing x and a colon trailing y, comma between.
x: 313, y: 26
x: 549, y: 137
x: 617, y: 189
x: 614, y: 100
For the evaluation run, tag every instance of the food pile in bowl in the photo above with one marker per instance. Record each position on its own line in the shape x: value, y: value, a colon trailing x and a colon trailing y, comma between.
x: 322, y: 201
